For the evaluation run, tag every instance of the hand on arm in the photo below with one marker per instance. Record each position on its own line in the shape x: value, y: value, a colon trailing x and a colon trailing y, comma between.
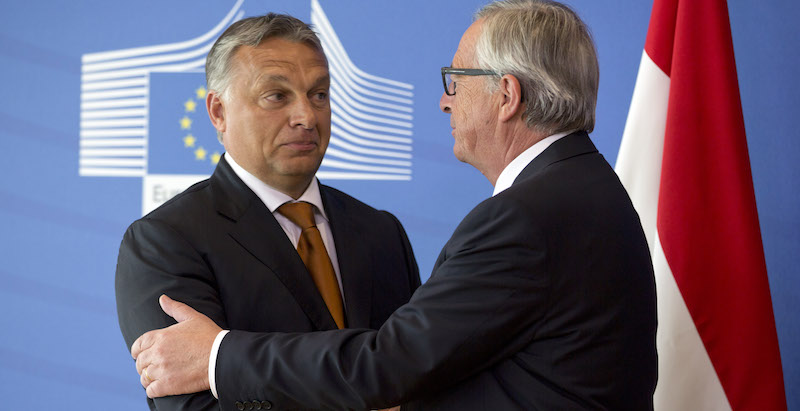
x: 174, y: 360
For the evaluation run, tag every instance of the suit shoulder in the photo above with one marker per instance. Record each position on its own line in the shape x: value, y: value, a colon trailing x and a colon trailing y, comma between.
x: 190, y: 201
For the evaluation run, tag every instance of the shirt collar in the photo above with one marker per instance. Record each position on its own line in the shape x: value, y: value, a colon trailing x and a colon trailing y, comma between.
x: 515, y: 167
x: 273, y: 198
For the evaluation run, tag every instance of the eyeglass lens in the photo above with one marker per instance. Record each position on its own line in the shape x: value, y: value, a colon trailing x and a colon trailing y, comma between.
x: 451, y: 87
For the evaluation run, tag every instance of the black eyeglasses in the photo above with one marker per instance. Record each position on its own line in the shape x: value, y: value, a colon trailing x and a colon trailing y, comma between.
x: 450, y: 85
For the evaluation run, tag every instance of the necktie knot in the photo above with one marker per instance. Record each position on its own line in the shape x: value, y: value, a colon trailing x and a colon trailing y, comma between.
x: 301, y: 213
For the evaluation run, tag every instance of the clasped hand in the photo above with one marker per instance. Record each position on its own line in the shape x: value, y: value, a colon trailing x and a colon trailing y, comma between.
x: 174, y: 360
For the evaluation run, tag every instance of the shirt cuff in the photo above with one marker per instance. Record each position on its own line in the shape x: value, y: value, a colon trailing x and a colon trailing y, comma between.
x: 212, y: 362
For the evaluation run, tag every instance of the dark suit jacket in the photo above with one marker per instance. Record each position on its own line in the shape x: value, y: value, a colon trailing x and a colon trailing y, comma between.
x: 217, y: 248
x: 543, y: 299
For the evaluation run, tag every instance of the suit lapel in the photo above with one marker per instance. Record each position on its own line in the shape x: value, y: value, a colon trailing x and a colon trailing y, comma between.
x: 353, y: 256
x: 254, y: 226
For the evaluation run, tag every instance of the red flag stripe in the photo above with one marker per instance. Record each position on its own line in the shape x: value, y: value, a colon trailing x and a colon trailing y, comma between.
x: 707, y: 219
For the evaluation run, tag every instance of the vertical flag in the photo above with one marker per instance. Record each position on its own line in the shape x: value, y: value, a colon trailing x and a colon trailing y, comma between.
x: 685, y: 163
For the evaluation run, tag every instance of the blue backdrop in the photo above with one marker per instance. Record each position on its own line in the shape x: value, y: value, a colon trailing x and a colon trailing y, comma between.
x: 64, y: 206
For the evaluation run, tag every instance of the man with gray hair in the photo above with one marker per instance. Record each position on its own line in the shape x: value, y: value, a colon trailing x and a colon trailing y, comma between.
x: 542, y: 299
x: 262, y: 245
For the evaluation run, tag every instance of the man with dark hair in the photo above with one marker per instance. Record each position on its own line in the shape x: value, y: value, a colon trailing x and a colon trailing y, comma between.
x: 261, y: 245
x: 542, y: 299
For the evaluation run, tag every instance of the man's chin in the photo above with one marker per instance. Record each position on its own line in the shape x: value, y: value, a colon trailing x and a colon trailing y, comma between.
x: 459, y: 154
x: 305, y: 166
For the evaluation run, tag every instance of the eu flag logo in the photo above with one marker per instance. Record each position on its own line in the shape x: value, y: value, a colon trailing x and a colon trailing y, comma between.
x: 182, y: 139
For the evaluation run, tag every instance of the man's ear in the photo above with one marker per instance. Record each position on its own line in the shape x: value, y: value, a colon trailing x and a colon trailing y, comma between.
x: 216, y: 110
x: 512, y: 98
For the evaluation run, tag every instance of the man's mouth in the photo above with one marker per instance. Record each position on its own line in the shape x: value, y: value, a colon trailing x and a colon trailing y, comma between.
x: 302, y: 145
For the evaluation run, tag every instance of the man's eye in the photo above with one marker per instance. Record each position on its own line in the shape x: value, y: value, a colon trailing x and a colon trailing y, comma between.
x: 276, y: 97
x: 321, y: 96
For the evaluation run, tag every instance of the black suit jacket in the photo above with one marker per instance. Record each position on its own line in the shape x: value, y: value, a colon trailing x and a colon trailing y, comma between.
x: 217, y: 248
x: 543, y: 299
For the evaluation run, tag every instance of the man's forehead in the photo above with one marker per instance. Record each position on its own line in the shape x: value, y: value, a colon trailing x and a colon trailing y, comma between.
x: 281, y: 53
x: 465, y: 54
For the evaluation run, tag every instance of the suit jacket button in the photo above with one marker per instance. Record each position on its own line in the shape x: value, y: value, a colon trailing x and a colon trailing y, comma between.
x: 239, y: 405
x: 256, y: 405
x: 248, y: 405
x: 266, y: 405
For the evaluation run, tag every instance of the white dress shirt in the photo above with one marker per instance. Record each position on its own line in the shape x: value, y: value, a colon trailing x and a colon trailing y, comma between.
x: 273, y: 199
x: 512, y: 170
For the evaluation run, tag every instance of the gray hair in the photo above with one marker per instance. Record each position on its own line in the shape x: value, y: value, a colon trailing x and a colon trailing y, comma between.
x: 547, y: 47
x: 251, y: 32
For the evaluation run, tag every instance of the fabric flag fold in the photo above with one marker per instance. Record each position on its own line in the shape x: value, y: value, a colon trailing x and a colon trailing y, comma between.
x: 685, y: 163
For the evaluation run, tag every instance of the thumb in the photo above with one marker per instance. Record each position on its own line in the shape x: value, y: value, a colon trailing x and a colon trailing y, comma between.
x: 175, y: 309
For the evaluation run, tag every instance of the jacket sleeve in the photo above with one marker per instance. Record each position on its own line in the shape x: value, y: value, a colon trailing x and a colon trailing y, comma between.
x: 154, y: 259
x: 477, y: 309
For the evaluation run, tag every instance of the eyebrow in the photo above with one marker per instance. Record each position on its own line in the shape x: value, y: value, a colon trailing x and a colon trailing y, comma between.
x: 275, y: 78
x: 322, y: 80
x: 278, y: 78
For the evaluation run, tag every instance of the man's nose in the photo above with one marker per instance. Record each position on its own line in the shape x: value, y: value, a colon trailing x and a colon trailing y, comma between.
x: 303, y: 114
x: 445, y: 103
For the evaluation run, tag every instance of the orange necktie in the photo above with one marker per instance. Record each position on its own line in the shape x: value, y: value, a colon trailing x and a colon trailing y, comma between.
x: 314, y: 255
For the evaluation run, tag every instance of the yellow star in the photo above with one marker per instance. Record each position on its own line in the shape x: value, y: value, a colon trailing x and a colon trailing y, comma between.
x: 189, y: 105
x: 189, y: 141
x: 201, y: 92
x: 186, y: 123
x: 215, y: 157
x: 200, y: 154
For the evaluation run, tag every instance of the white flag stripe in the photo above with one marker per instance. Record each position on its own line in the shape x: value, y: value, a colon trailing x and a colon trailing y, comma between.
x: 680, y: 382
x: 344, y: 129
x: 346, y: 77
x: 111, y: 172
x: 115, y: 162
x: 334, y: 152
x: 110, y: 94
x: 339, y: 93
x: 113, y: 142
x: 350, y: 166
x: 112, y: 152
x: 318, y: 18
x: 639, y: 160
x: 180, y: 67
x: 129, y: 112
x: 368, y: 126
x: 341, y: 102
x: 147, y: 61
x: 163, y: 48
x: 128, y: 122
x: 114, y: 132
x: 101, y: 104
x: 339, y: 175
x: 639, y: 169
x: 114, y: 84
x: 336, y: 141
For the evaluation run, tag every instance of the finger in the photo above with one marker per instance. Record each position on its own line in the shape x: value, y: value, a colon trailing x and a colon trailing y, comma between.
x: 142, y: 343
x: 155, y: 389
x: 152, y: 389
x: 141, y: 363
x: 145, y: 378
x: 177, y: 310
